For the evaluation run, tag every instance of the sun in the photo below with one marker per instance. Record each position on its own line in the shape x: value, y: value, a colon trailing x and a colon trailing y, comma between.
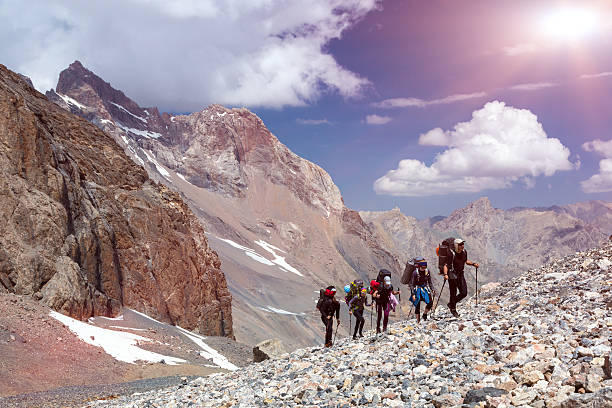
x: 570, y: 24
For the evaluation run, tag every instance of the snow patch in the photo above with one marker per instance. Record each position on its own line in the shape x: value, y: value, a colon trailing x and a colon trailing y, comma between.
x: 128, y: 112
x: 273, y: 309
x: 221, y: 114
x: 143, y: 133
x: 158, y: 166
x: 120, y: 345
x: 71, y: 101
x: 251, y: 253
x: 207, y: 351
x: 182, y: 178
x: 279, y: 260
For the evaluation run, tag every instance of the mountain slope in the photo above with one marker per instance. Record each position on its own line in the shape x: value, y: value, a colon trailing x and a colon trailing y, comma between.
x: 277, y: 221
x: 86, y: 231
x: 540, y: 339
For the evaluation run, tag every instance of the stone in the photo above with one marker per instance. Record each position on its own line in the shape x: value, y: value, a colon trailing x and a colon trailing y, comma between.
x: 272, y: 348
x: 523, y: 397
x: 481, y: 394
x: 447, y: 400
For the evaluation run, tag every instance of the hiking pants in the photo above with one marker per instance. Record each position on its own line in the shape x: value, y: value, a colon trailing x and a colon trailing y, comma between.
x: 359, y: 321
x: 417, y: 308
x: 329, y: 328
x: 455, y: 285
x: 380, y: 309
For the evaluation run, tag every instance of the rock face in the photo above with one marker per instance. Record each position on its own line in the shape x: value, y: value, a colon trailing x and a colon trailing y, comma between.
x: 86, y: 231
x: 541, y: 339
x: 277, y: 221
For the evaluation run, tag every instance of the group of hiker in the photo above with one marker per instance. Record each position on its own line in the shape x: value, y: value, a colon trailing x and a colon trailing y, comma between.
x: 452, y: 258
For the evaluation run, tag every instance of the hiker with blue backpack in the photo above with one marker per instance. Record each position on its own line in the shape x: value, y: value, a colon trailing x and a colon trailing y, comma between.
x: 421, y: 288
x: 356, y: 307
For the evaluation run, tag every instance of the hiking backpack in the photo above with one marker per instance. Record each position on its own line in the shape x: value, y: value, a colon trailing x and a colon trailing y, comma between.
x: 374, y: 285
x: 355, y: 287
x: 381, y: 275
x: 446, y: 253
x: 409, y: 270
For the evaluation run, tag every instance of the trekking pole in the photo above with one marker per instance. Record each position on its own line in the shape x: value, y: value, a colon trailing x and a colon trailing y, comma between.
x: 371, y: 313
x: 350, y: 323
x: 476, y: 286
x: 439, y: 295
x: 336, y: 332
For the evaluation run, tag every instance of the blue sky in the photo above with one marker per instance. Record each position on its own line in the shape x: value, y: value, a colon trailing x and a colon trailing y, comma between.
x: 423, y: 105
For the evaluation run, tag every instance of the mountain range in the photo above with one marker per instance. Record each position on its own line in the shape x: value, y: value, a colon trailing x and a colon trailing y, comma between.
x: 279, y: 224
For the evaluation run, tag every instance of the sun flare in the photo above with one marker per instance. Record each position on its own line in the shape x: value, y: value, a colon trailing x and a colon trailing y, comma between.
x: 570, y: 24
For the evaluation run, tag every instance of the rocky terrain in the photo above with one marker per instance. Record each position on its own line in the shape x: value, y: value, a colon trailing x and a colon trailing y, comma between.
x: 85, y: 231
x: 541, y: 339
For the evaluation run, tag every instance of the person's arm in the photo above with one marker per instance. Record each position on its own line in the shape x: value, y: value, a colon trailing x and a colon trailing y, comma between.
x: 445, y: 269
x: 338, y: 312
x: 474, y: 264
x: 350, y: 304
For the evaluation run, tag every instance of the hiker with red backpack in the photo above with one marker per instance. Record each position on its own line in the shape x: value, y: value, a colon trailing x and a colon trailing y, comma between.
x: 328, y: 305
x: 453, y: 270
x: 356, y: 307
x: 382, y: 296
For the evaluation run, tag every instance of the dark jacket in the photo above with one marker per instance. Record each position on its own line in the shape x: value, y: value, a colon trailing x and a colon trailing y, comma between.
x: 328, y: 306
x: 459, y: 261
x: 421, y: 279
x: 385, y: 294
x: 358, y: 302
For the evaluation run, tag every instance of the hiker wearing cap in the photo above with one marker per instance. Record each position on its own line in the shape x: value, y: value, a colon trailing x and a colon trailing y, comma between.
x: 328, y: 305
x: 421, y: 289
x: 382, y: 296
x: 356, y: 307
x: 455, y: 276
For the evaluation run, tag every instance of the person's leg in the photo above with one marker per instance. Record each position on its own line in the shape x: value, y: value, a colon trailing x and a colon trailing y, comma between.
x: 462, y: 285
x: 361, y: 326
x: 428, y: 307
x: 452, y: 287
x: 379, y: 313
x: 386, y: 319
x: 329, y: 331
x: 358, y: 317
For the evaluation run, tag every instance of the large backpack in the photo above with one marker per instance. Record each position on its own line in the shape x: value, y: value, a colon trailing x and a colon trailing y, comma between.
x: 409, y: 270
x: 355, y: 287
x: 374, y: 285
x: 381, y: 275
x: 446, y: 253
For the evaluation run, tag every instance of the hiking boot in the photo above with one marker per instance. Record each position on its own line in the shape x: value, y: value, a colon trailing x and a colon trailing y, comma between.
x: 424, y: 316
x: 454, y: 312
x: 354, y: 337
x: 378, y: 330
x: 328, y: 344
x: 360, y: 334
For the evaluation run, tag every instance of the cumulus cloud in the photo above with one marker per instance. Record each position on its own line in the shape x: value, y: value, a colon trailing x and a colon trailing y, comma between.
x: 533, y: 86
x: 602, y: 181
x: 498, y: 147
x: 313, y: 121
x: 422, y: 103
x: 184, y: 54
x: 377, y: 120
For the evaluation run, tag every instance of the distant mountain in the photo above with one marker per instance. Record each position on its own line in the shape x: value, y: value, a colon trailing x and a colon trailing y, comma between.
x: 503, y: 242
x: 277, y: 220
x: 87, y: 232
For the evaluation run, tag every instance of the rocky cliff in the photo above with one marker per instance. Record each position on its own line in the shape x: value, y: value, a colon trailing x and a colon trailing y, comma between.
x: 541, y: 339
x: 277, y: 220
x: 87, y: 232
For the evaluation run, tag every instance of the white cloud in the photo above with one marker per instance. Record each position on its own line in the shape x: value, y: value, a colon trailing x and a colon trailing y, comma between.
x: 599, y: 75
x: 422, y: 103
x: 520, y: 49
x: 377, y: 120
x: 533, y: 86
x: 313, y: 121
x: 602, y: 181
x: 499, y: 146
x: 185, y: 54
